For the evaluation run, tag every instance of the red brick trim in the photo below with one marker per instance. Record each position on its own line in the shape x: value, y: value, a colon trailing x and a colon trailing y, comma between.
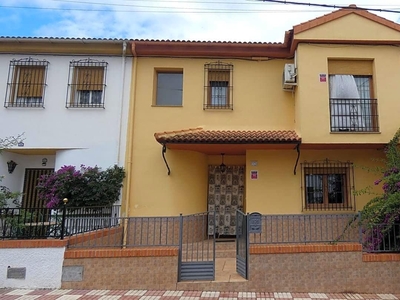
x: 137, y: 252
x: 285, y: 249
x: 33, y: 243
x: 381, y: 257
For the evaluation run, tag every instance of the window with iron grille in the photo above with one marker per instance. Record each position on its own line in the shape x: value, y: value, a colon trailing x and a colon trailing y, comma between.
x: 218, y: 86
x: 26, y: 83
x: 328, y: 185
x: 86, y: 84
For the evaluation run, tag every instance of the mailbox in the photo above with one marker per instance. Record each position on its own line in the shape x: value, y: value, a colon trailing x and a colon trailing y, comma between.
x: 255, y: 223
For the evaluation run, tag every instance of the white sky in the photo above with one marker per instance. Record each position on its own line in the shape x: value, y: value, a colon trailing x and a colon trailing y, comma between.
x: 206, y: 20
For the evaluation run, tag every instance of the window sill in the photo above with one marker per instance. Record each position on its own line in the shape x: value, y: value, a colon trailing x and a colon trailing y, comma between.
x: 85, y: 107
x: 328, y: 209
x: 218, y: 109
x: 155, y: 105
x: 23, y: 107
x: 355, y: 132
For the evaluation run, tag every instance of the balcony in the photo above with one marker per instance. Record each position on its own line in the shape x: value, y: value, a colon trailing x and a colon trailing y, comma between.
x: 353, y: 115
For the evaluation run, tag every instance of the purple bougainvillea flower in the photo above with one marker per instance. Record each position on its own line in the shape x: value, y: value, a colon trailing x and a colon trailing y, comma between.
x: 378, y: 181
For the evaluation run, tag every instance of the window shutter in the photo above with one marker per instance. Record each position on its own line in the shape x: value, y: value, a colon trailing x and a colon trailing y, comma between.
x: 30, y: 82
x: 350, y: 67
x: 218, y: 75
x: 89, y: 79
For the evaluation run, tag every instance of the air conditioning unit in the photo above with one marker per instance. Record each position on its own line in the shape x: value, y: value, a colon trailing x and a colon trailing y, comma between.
x: 289, y: 77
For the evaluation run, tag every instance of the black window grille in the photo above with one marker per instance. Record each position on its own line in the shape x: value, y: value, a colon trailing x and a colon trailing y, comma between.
x: 26, y: 83
x: 86, y: 84
x: 352, y: 107
x: 328, y: 185
x: 218, y: 86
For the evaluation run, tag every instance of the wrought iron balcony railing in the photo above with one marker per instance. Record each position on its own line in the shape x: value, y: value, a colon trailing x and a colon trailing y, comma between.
x: 353, y: 115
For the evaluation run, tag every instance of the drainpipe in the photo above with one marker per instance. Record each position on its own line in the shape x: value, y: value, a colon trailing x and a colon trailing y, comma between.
x: 130, y: 132
x: 123, y: 59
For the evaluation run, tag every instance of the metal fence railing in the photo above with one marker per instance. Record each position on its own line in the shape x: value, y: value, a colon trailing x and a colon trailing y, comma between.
x: 382, y: 238
x: 96, y: 227
x: 130, y: 232
x: 29, y: 223
x: 309, y: 228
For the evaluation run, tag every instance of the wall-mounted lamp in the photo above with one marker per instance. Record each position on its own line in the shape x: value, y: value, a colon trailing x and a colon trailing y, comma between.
x: 11, y: 166
x: 222, y: 166
x: 44, y: 162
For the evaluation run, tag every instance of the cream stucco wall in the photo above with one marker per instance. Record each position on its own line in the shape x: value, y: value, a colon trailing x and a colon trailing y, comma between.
x: 312, y: 96
x: 361, y: 29
x: 259, y: 103
x: 278, y: 191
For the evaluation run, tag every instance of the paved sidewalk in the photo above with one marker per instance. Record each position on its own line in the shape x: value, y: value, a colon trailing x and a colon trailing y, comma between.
x: 26, y: 294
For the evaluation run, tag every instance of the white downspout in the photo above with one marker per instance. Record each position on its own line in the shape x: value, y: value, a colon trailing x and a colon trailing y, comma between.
x: 123, y: 60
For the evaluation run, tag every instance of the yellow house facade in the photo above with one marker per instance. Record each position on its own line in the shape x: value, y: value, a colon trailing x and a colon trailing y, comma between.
x: 216, y: 126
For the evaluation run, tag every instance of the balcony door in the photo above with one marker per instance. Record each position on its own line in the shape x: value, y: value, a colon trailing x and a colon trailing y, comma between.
x: 352, y: 107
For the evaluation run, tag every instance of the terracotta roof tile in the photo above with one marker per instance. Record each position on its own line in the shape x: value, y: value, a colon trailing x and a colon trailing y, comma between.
x: 200, y: 136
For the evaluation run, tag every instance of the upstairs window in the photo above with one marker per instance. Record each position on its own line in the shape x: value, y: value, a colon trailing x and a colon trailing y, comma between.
x: 86, y: 85
x: 26, y: 83
x: 328, y: 185
x: 218, y: 86
x: 352, y: 104
x: 169, y: 88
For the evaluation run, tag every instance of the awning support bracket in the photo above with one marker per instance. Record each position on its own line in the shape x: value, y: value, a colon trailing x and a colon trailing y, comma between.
x: 164, y: 149
x: 298, y: 157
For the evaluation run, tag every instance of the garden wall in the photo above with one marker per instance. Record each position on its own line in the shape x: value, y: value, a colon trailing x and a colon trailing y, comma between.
x: 140, y: 268
x: 323, y: 268
x: 31, y: 263
x: 326, y: 268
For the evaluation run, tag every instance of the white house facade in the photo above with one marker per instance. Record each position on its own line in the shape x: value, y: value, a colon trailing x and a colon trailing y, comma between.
x: 69, y: 99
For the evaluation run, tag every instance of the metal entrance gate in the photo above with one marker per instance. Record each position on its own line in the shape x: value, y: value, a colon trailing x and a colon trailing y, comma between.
x: 196, y: 259
x: 242, y: 244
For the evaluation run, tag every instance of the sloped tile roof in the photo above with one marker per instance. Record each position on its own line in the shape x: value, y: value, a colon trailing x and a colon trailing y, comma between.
x: 200, y: 136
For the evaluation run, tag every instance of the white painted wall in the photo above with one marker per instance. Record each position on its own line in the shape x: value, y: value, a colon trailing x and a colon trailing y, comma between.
x: 15, y: 181
x: 43, y: 267
x: 89, y: 136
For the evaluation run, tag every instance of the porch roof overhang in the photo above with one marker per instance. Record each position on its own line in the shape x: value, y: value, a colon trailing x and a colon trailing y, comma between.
x: 36, y: 151
x: 227, y: 141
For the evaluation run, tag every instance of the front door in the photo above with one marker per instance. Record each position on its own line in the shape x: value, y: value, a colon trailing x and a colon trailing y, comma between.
x: 225, y: 196
x: 30, y: 198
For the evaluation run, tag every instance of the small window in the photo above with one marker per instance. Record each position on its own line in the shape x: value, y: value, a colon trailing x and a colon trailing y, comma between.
x: 86, y: 84
x: 328, y: 185
x: 169, y: 88
x: 218, y: 86
x: 26, y: 83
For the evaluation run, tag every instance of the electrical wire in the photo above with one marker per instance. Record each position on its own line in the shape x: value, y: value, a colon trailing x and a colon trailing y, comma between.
x: 185, y: 10
x: 167, y: 10
x: 330, y: 6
